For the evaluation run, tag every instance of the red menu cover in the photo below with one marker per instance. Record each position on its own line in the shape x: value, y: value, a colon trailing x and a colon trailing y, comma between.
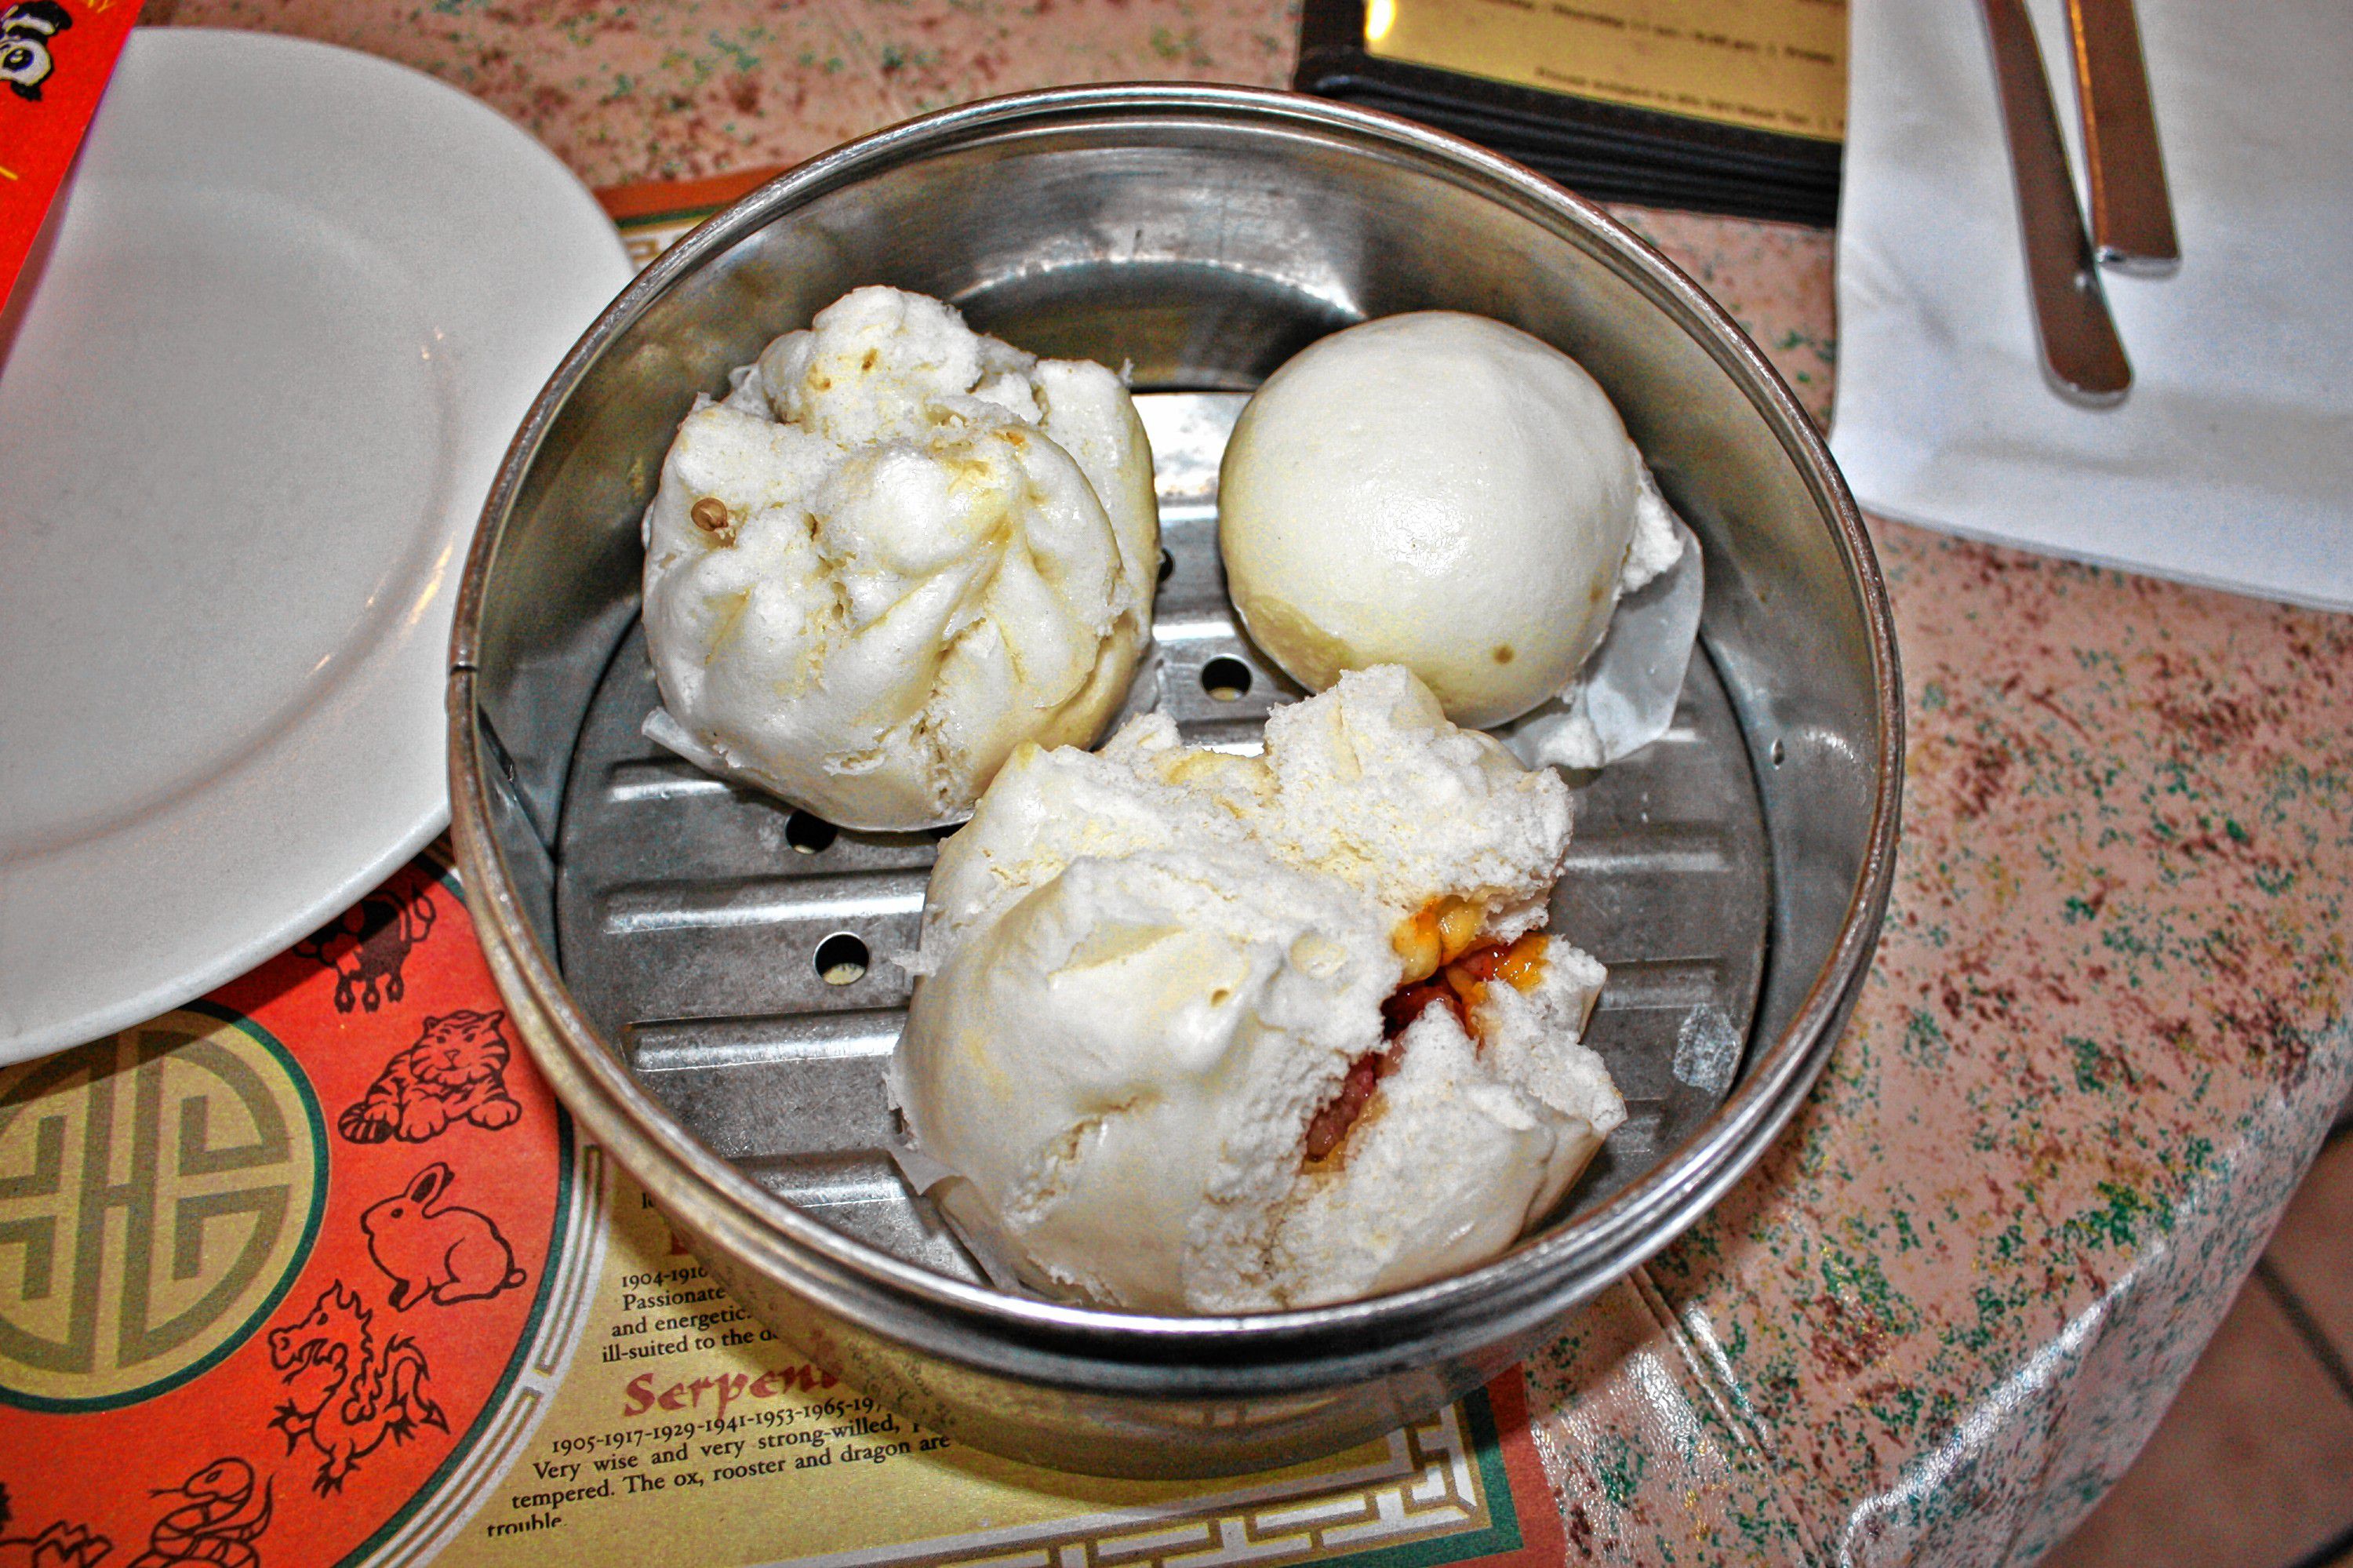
x: 55, y: 58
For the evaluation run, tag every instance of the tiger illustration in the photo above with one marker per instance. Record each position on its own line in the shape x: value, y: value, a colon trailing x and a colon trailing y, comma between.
x: 454, y: 1073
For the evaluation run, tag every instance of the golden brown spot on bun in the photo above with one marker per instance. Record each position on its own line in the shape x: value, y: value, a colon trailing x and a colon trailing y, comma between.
x: 710, y: 515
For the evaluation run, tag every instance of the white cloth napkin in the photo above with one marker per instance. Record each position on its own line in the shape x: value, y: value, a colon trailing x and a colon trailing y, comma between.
x: 2230, y: 460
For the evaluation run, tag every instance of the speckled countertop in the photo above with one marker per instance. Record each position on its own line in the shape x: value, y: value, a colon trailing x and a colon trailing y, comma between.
x: 2109, y: 1019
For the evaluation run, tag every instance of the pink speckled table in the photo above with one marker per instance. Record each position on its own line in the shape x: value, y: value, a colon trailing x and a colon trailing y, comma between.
x: 2107, y: 1024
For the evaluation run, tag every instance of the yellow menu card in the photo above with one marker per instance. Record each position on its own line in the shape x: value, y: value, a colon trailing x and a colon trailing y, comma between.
x: 1767, y: 65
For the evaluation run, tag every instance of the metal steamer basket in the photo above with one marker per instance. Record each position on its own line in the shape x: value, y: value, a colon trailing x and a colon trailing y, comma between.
x: 701, y: 971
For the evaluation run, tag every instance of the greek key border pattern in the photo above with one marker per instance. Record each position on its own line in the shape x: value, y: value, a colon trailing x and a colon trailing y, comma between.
x: 1431, y: 1486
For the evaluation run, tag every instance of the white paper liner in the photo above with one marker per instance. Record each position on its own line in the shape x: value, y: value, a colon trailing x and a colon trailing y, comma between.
x: 924, y: 1175
x: 672, y: 735
x: 1624, y: 697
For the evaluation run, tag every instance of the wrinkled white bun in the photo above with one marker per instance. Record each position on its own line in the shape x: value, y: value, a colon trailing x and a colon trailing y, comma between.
x: 942, y: 547
x: 1442, y: 492
x: 1143, y: 972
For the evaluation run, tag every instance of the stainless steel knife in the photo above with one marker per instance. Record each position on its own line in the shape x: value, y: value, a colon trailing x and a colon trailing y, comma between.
x: 2132, y: 215
x: 2079, y: 347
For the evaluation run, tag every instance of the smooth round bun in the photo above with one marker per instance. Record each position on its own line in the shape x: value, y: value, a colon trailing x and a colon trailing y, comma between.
x: 1438, y: 491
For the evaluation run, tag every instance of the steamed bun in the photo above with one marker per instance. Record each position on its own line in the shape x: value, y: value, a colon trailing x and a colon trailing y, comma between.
x: 894, y: 551
x: 1442, y: 492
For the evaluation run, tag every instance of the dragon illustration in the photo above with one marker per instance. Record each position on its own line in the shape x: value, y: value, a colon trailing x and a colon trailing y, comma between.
x: 348, y: 1393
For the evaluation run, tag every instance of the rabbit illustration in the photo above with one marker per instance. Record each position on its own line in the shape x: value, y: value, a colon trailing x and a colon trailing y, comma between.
x: 434, y: 1248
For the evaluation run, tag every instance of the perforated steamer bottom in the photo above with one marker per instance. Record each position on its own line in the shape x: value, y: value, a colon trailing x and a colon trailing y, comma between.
x: 739, y: 949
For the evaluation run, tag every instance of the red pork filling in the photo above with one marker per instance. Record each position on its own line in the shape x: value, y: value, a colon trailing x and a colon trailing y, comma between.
x: 1458, y: 977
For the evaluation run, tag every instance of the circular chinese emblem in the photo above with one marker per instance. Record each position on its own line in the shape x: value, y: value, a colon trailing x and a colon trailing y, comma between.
x: 159, y: 1190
